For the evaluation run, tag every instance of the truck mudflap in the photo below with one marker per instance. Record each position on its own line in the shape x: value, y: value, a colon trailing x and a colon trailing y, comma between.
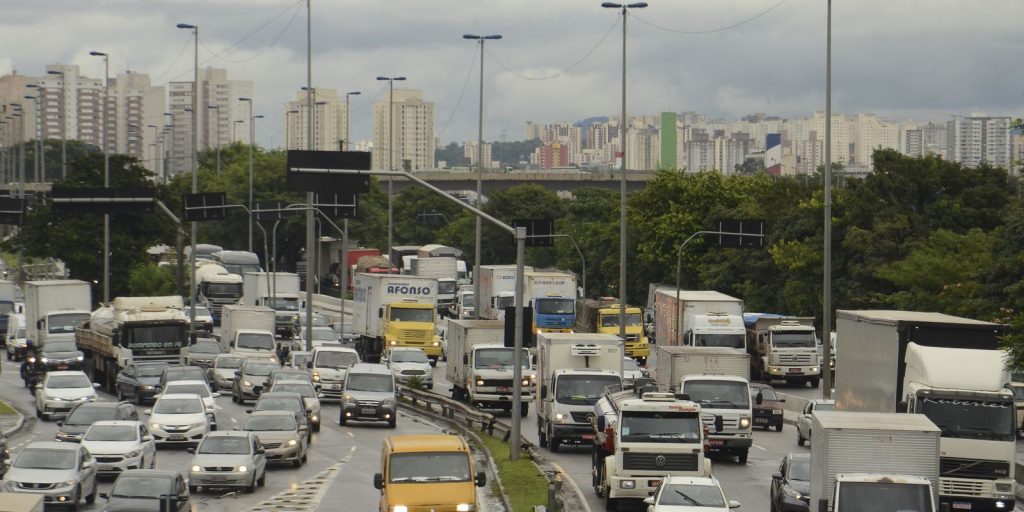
x: 976, y: 504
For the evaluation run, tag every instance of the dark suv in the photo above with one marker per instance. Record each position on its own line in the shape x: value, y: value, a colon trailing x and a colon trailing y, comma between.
x: 139, y: 381
x: 767, y: 407
x: 73, y: 427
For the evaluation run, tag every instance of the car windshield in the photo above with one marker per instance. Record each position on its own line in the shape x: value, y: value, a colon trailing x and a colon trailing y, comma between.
x: 188, y: 389
x: 800, y: 469
x: 793, y: 339
x: 428, y: 467
x: 178, y: 406
x: 767, y: 394
x: 332, y: 359
x: 499, y: 358
x: 280, y: 403
x: 412, y: 315
x: 265, y: 423
x: 42, y: 458
x: 112, y: 433
x: 555, y: 306
x: 629, y: 365
x: 260, y: 369
x: 583, y: 389
x: 255, y: 341
x: 60, y: 346
x: 369, y: 382
x: 205, y: 347
x: 87, y: 414
x: 68, y: 381
x: 228, y: 445
x: 632, y: 320
x: 141, y: 487
x: 717, y: 394
x: 200, y: 311
x: 661, y: 427
x: 408, y: 356
x: 65, y: 322
x: 304, y: 390
x: 692, y: 495
x: 283, y: 303
x: 229, y: 362
x: 149, y: 370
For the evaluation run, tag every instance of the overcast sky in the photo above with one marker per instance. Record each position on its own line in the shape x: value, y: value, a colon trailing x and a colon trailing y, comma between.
x: 925, y: 59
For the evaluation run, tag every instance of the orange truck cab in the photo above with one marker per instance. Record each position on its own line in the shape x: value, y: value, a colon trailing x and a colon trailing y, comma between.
x: 432, y: 472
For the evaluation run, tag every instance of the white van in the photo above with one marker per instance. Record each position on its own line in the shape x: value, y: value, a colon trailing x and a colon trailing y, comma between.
x: 16, y: 340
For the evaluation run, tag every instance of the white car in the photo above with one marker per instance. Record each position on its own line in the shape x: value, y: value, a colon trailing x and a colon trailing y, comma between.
x: 803, y: 423
x: 689, y: 494
x: 120, y: 445
x: 406, y: 363
x: 631, y: 371
x: 178, y: 419
x: 61, y: 391
x: 196, y: 387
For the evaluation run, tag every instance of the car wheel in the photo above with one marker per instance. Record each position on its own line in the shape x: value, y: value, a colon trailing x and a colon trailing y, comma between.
x: 91, y: 498
x: 799, y: 438
x: 251, y: 488
x: 393, y: 422
x: 524, y: 409
x: 542, y: 440
x: 263, y: 479
x: 778, y: 428
x: 39, y: 414
x: 76, y: 499
x: 193, y: 489
x: 234, y: 398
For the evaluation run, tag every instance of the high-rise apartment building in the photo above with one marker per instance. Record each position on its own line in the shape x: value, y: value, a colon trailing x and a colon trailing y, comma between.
x: 869, y: 133
x: 411, y: 128
x: 329, y: 128
x: 977, y: 138
x: 470, y: 152
x: 222, y: 118
x: 913, y: 142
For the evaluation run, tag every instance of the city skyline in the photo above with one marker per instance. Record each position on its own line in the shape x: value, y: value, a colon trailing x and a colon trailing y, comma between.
x: 951, y: 59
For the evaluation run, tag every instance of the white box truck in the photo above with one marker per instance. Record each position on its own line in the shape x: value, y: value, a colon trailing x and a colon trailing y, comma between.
x: 54, y: 308
x: 717, y: 379
x: 395, y: 311
x: 702, y: 318
x: 497, y: 290
x: 873, y: 461
x: 278, y: 291
x: 248, y: 331
x: 480, y: 366
x: 573, y: 372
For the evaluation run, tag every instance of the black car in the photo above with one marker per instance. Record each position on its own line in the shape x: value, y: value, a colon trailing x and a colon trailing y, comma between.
x: 83, y: 415
x: 139, y: 381
x: 791, y: 484
x: 182, y: 372
x: 61, y: 355
x: 145, y: 490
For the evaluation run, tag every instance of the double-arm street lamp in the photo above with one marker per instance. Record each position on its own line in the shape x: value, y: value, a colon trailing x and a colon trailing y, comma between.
x: 106, y: 171
x: 391, y: 160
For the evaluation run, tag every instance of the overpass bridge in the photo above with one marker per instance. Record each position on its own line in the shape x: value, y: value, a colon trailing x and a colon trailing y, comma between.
x: 562, y: 181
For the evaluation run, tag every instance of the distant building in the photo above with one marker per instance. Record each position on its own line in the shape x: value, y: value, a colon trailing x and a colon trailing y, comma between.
x: 328, y: 121
x: 412, y: 130
x: 913, y: 143
x: 470, y: 152
x: 552, y: 155
x: 773, y: 153
x: 975, y: 139
x: 223, y: 125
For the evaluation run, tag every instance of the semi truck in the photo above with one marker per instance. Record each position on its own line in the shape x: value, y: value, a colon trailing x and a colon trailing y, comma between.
x: 950, y: 370
x: 444, y: 270
x: 553, y: 298
x: 248, y: 331
x: 718, y: 380
x: 699, y: 318
x: 783, y: 348
x: 351, y: 258
x: 216, y: 287
x: 602, y: 316
x: 54, y: 308
x: 395, y: 311
x: 132, y: 329
x: 480, y: 366
x: 573, y: 372
x: 497, y: 290
x: 278, y: 291
x: 640, y: 438
x: 873, y: 461
x: 238, y: 262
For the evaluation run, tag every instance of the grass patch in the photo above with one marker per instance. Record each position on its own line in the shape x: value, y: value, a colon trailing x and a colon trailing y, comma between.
x: 6, y: 409
x: 525, y: 485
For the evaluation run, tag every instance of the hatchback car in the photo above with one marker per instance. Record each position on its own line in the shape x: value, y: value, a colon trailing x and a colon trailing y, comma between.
x: 148, y: 490
x: 406, y: 363
x: 181, y: 372
x: 178, y: 419
x: 250, y: 379
x: 279, y: 433
x: 221, y: 375
x: 86, y: 413
x: 196, y: 387
x: 791, y: 484
x: 369, y: 395
x: 63, y: 473
x: 689, y: 494
x: 803, y: 423
x: 767, y: 407
x: 119, y: 446
x: 228, y: 459
x: 62, y: 391
x: 282, y: 401
x: 201, y: 353
x: 61, y: 355
x: 308, y: 394
x: 139, y: 381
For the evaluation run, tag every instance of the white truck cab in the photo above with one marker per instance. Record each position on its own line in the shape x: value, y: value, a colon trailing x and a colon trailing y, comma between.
x: 727, y: 397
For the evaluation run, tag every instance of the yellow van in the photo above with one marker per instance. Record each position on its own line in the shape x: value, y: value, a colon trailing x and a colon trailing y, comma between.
x: 424, y: 473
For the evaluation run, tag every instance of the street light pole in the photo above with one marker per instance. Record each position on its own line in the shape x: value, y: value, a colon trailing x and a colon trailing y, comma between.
x: 252, y: 132
x: 348, y: 137
x: 195, y: 171
x: 106, y: 172
x: 826, y: 314
x: 391, y: 160
x: 309, y: 195
x: 63, y: 124
x: 479, y: 169
x: 37, y: 160
x: 217, y: 108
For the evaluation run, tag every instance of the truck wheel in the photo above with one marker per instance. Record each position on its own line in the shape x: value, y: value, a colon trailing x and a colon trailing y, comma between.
x: 778, y: 428
x: 542, y: 439
x: 742, y: 458
x: 553, y: 442
x: 799, y: 438
x: 814, y: 381
x: 611, y: 503
x: 524, y: 409
x: 599, y: 479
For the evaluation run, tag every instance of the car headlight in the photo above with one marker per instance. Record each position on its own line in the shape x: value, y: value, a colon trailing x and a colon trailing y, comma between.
x: 399, y: 508
x: 68, y: 483
x: 199, y: 424
x: 526, y: 381
x: 627, y: 484
x: 145, y: 387
x: 464, y: 507
x: 196, y: 469
x: 154, y: 425
x: 744, y: 422
x: 43, y: 359
x: 134, y: 453
x: 316, y: 377
x: 80, y: 358
x: 479, y: 382
x: 246, y: 383
x: 243, y: 469
x: 31, y: 360
x: 293, y: 442
x: 776, y: 411
x: 388, y: 402
x: 788, y: 491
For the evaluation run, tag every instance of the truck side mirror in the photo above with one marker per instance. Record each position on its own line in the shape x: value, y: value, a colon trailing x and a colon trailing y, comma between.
x: 600, y: 422
x: 481, y: 479
x: 378, y: 481
x: 719, y: 423
x: 380, y: 312
x: 465, y: 358
x: 759, y: 399
x: 543, y: 391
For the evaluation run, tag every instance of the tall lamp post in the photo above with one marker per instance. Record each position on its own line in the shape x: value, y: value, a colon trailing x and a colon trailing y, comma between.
x: 195, y: 174
x: 479, y: 168
x: 63, y: 124
x: 169, y: 124
x: 217, y: 108
x: 343, y: 277
x: 624, y: 8
x: 391, y: 160
x: 826, y: 314
x: 348, y: 136
x: 252, y: 131
x: 156, y: 148
x: 106, y: 172
x: 37, y: 161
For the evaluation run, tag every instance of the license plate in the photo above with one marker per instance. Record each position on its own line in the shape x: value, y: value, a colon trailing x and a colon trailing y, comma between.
x: 104, y: 467
x: 794, y: 370
x: 760, y: 420
x: 218, y: 478
x: 368, y: 410
x: 177, y: 438
x: 715, y: 442
x: 504, y: 389
x: 962, y: 505
x: 333, y: 386
x: 587, y: 437
x: 62, y: 367
x: 653, y: 483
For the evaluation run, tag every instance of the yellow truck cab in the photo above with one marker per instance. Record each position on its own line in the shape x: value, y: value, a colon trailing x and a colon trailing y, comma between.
x: 602, y: 316
x: 427, y: 473
x: 411, y: 324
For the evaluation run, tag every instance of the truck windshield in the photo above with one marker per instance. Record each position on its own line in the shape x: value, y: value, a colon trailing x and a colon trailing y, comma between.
x: 793, y: 339
x: 632, y: 320
x: 583, y: 389
x: 447, y: 287
x: 283, y: 303
x: 468, y: 300
x: 499, y: 358
x: 883, y: 497
x: 555, y: 306
x: 717, y: 394
x: 156, y: 337
x: 718, y: 340
x: 660, y: 427
x: 65, y: 322
x: 6, y: 307
x: 223, y: 290
x: 412, y: 315
x: 504, y: 302
x: 970, y: 419
x: 255, y: 341
x: 421, y: 467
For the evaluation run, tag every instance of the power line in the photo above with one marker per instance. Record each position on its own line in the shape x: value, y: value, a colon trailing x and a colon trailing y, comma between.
x: 564, y: 71
x: 176, y: 59
x: 469, y: 72
x: 719, y: 29
x: 265, y: 48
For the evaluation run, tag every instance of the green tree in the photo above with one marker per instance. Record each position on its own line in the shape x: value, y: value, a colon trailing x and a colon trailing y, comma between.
x: 148, y: 279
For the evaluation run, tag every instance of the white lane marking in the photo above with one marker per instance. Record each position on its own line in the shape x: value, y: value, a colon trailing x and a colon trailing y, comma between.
x: 305, y: 496
x: 763, y: 449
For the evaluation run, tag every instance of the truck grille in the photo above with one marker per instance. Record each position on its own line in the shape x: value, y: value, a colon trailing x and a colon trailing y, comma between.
x: 659, y: 461
x: 632, y: 337
x: 950, y: 487
x: 794, y: 359
x: 507, y: 383
x: 581, y: 416
x: 415, y: 334
x: 109, y: 458
x: 973, y: 468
